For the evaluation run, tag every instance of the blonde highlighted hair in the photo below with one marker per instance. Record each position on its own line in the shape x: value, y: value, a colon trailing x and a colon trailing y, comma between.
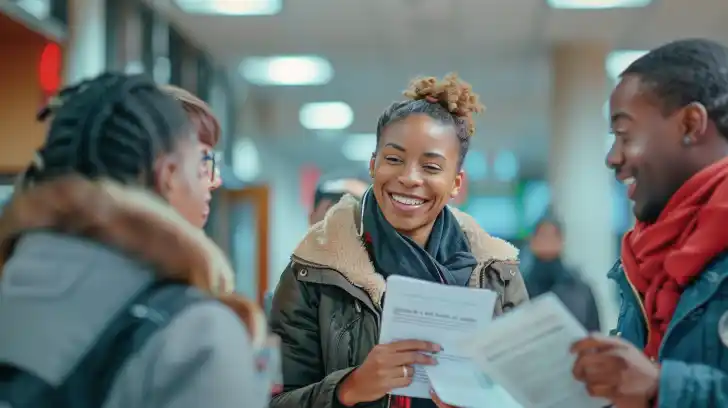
x: 199, y: 112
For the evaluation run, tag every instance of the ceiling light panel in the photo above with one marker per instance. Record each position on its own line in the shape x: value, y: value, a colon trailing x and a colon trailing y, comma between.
x: 326, y: 116
x: 302, y: 70
x: 618, y: 61
x: 231, y: 7
x: 597, y: 4
x: 359, y: 147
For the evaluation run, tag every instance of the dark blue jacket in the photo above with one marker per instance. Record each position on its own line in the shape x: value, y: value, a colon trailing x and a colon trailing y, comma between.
x: 694, y: 351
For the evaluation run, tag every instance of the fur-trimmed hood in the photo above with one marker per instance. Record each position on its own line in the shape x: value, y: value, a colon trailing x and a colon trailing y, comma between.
x: 135, y: 222
x: 336, y: 243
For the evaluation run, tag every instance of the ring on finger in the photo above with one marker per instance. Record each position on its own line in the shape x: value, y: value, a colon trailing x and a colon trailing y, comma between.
x: 405, y: 372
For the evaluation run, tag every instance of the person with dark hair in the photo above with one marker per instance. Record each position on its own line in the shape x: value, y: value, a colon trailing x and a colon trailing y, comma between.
x: 329, y: 191
x: 207, y: 127
x: 328, y: 303
x: 109, y: 296
x: 548, y: 273
x: 669, y: 115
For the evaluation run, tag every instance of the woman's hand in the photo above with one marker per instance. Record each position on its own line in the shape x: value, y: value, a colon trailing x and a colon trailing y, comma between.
x: 388, y: 366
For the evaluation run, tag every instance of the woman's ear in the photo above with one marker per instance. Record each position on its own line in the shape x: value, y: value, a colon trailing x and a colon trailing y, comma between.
x: 457, y: 185
x: 164, y: 169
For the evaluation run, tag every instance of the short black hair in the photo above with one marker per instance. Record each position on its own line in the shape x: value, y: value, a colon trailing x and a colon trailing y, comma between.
x: 330, y: 186
x: 687, y: 71
x: 112, y: 126
x: 548, y: 219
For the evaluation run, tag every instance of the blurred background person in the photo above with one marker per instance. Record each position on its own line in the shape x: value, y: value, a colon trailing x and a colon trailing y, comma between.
x: 327, y: 305
x: 547, y: 272
x: 330, y: 190
x: 93, y: 244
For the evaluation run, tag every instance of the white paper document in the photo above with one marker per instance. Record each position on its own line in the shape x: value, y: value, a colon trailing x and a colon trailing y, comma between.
x: 527, y: 353
x: 445, y: 315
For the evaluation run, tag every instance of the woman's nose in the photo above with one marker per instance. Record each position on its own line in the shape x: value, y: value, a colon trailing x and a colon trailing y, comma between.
x: 216, y: 181
x: 411, y: 178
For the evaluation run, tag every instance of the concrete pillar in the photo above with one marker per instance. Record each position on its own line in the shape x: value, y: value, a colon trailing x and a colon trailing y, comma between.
x: 581, y: 183
x: 86, y: 48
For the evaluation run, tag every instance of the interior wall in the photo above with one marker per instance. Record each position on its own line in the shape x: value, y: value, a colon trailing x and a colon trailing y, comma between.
x: 20, y: 133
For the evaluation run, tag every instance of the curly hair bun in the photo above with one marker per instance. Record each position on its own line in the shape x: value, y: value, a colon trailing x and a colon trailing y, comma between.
x: 450, y: 92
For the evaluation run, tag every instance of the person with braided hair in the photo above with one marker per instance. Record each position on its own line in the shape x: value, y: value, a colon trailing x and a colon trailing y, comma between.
x: 328, y: 304
x: 110, y: 297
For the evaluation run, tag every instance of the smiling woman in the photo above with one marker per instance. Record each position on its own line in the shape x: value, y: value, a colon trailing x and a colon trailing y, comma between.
x: 421, y: 146
x: 327, y: 306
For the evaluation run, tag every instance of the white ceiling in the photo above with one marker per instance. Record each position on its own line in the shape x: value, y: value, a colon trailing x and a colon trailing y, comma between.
x: 376, y: 46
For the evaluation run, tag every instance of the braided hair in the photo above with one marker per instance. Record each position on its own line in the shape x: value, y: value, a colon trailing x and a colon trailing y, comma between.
x: 112, y: 126
x: 687, y: 71
x: 450, y: 101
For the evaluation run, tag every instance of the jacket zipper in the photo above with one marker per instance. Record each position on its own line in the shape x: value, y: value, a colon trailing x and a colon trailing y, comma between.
x: 640, y: 303
x: 377, y: 313
x: 485, y: 266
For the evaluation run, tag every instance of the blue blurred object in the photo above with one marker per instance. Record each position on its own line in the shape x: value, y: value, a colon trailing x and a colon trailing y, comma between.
x: 268, y: 302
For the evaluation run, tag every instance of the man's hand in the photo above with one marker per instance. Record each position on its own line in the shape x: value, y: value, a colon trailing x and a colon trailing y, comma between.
x: 616, y: 370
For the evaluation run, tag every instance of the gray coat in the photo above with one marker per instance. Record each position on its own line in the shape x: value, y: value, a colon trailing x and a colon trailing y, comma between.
x: 58, y: 291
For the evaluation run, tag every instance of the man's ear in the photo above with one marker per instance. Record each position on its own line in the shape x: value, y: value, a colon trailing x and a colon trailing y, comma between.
x: 694, y: 118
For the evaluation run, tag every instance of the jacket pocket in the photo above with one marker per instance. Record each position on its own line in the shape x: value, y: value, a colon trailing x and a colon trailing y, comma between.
x: 342, y: 353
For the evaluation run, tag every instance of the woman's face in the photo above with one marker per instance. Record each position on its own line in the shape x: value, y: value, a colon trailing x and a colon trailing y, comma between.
x: 415, y: 172
x: 185, y: 179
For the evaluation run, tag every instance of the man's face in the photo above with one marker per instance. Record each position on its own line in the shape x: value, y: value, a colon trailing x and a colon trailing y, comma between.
x: 547, y: 242
x: 647, y: 150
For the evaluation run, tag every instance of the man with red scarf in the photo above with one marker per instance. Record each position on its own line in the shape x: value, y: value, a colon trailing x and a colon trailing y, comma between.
x: 669, y: 115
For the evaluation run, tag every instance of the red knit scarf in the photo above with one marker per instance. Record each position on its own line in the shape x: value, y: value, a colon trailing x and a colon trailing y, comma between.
x: 661, y: 259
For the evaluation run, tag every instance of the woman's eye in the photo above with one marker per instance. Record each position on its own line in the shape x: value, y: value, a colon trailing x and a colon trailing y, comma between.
x: 432, y: 168
x: 393, y: 159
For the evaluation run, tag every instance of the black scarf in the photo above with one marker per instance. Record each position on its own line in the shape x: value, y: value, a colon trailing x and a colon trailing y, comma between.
x: 446, y: 257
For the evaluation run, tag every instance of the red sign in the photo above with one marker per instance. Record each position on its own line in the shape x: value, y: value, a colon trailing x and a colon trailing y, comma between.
x: 50, y: 70
x: 309, y: 179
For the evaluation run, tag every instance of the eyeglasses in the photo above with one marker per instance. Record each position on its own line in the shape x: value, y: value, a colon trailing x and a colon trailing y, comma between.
x: 210, y: 166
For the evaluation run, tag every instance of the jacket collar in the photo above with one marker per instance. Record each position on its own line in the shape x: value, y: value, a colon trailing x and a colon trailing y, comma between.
x: 336, y: 243
x: 133, y: 221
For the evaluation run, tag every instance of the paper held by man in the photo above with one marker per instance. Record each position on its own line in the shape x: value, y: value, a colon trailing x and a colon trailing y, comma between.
x: 519, y: 360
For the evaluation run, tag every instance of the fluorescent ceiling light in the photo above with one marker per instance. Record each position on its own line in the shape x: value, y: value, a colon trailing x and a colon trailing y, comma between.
x: 246, y: 160
x: 287, y: 70
x: 231, y: 7
x: 359, y: 147
x: 618, y: 61
x: 326, y: 116
x: 597, y: 4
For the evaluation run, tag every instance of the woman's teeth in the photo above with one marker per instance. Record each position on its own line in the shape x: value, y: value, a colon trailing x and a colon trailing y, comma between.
x: 407, y: 200
x: 629, y: 181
